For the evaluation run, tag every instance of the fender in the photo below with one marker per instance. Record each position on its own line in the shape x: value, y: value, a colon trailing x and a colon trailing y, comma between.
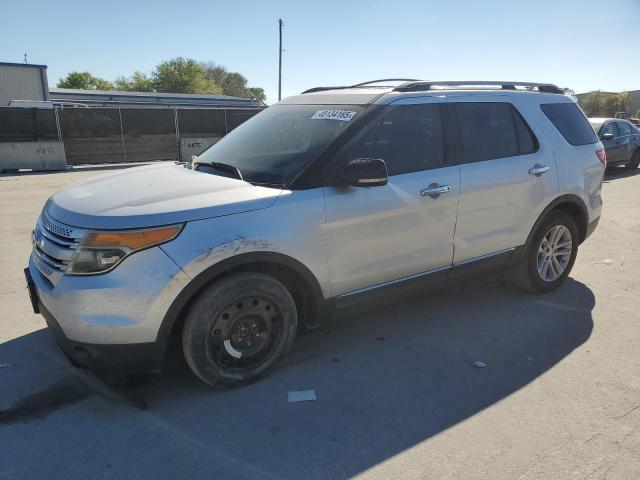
x: 568, y: 198
x: 206, y: 277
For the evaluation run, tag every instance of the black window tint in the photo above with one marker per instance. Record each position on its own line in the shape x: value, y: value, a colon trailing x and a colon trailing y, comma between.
x: 46, y: 128
x: 609, y: 128
x: 488, y: 131
x: 27, y: 124
x: 196, y: 122
x: 624, y: 128
x: 527, y: 142
x: 408, y: 138
x: 570, y: 122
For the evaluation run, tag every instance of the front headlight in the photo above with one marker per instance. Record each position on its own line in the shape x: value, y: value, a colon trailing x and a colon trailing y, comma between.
x: 99, y: 252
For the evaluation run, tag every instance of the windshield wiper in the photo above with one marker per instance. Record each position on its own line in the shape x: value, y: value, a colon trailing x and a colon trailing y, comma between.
x: 225, y: 167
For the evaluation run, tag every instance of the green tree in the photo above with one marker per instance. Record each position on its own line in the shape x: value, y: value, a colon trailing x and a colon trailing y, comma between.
x: 214, y: 72
x: 138, y: 82
x: 604, y: 104
x: 84, y: 81
x: 615, y: 102
x: 183, y: 75
x: 234, y: 84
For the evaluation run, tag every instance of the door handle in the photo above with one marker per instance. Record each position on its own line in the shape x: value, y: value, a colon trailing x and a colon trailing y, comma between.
x: 434, y: 190
x: 538, y: 170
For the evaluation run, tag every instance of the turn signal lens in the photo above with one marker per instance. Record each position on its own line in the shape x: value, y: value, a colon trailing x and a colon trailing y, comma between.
x: 100, y: 252
x: 131, y: 240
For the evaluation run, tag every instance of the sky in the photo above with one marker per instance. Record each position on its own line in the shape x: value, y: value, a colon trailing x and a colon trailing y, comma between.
x: 580, y: 44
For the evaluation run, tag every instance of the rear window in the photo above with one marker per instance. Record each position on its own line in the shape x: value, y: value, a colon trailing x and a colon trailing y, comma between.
x: 570, y: 122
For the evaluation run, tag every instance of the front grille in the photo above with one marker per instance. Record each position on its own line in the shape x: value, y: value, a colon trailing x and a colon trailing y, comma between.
x: 53, y: 246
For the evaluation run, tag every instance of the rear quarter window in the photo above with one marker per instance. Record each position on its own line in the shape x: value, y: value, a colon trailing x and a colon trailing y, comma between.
x: 570, y: 122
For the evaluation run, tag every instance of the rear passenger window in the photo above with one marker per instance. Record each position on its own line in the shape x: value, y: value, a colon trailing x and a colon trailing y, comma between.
x: 527, y: 143
x: 624, y: 128
x: 408, y: 138
x: 570, y: 122
x: 493, y: 130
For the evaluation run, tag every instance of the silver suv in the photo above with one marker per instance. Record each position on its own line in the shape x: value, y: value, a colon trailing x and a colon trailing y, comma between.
x: 324, y: 199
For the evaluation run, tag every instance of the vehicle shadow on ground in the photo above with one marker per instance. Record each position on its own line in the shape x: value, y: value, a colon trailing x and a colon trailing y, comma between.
x: 614, y: 173
x: 386, y: 378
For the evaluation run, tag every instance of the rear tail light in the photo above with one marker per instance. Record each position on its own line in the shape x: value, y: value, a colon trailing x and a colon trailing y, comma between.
x: 602, y: 156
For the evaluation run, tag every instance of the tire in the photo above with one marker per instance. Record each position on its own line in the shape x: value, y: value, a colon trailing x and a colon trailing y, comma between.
x: 526, y: 273
x: 238, y: 329
x: 634, y: 162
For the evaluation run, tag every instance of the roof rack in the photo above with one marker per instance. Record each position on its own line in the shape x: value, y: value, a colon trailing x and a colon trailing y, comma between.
x: 420, y: 86
x: 363, y: 84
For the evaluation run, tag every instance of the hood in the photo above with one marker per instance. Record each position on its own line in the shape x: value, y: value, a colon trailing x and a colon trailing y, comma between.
x: 154, y: 195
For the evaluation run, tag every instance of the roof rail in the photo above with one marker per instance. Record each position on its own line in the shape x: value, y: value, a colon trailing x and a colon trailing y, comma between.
x: 385, y: 80
x: 363, y: 84
x: 420, y: 86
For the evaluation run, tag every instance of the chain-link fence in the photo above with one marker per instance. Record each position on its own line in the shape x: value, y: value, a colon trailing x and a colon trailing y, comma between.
x: 115, y: 135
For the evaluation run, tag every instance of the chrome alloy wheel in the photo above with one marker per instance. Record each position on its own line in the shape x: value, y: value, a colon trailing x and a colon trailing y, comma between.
x: 554, y: 253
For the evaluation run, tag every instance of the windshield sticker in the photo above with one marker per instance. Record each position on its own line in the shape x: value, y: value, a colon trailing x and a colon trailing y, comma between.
x: 341, y: 115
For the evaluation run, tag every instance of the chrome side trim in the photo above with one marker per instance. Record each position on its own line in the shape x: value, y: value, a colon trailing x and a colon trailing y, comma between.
x: 482, y: 257
x: 392, y: 282
x: 422, y: 274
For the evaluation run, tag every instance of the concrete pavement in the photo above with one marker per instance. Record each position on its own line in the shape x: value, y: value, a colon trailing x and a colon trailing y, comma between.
x: 397, y: 393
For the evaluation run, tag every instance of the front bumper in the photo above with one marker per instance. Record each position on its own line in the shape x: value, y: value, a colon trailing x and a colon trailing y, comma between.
x: 111, y: 321
x: 591, y: 227
x: 107, y: 359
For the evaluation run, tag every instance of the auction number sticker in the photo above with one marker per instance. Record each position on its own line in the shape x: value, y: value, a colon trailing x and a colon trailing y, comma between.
x: 341, y: 115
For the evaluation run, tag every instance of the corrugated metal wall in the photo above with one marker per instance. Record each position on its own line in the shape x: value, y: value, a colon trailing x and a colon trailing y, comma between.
x: 22, y: 83
x: 115, y: 135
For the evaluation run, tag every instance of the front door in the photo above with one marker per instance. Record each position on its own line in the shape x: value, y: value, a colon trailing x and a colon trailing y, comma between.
x: 611, y: 145
x: 380, y: 234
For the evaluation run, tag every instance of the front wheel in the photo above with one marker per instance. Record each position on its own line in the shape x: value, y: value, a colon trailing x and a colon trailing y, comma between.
x: 550, y: 255
x: 238, y: 329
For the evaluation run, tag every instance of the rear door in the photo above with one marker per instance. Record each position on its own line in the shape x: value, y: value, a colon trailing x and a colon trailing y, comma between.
x: 381, y: 234
x: 625, y: 141
x: 505, y: 176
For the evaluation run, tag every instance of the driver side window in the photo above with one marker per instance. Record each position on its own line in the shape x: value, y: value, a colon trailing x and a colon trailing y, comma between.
x: 409, y: 138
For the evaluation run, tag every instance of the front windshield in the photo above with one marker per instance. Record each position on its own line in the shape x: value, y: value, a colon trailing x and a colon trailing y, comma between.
x: 273, y: 147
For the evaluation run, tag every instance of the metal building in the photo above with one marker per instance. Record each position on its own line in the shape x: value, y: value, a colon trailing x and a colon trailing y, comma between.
x: 93, y: 98
x: 22, y: 81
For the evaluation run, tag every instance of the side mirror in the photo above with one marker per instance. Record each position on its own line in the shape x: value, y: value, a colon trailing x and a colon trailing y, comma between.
x: 607, y: 136
x: 365, y: 172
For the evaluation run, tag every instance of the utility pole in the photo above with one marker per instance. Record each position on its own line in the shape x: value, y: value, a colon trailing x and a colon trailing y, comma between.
x: 280, y: 24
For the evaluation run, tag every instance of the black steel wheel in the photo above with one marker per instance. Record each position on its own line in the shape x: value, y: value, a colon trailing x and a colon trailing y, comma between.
x: 238, y: 329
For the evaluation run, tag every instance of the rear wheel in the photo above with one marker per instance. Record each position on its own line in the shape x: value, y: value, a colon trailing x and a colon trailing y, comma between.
x: 550, y: 255
x: 238, y: 329
x: 634, y: 162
